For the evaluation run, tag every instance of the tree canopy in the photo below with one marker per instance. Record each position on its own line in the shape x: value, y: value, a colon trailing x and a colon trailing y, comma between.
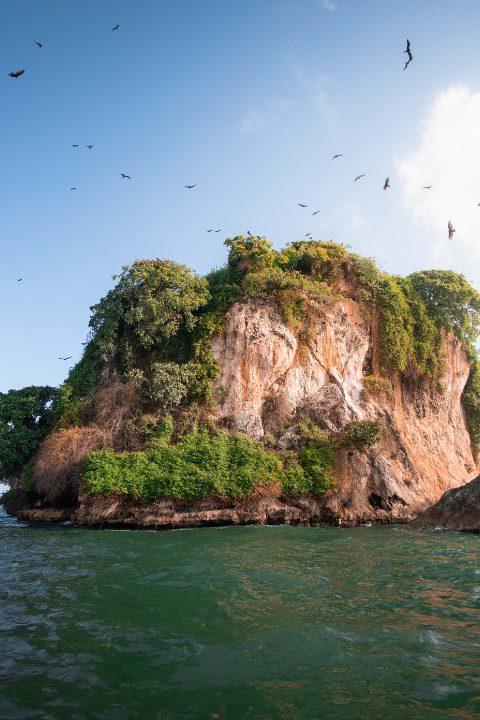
x: 25, y: 419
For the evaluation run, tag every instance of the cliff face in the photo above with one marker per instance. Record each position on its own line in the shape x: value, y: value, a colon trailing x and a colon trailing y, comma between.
x: 268, y: 377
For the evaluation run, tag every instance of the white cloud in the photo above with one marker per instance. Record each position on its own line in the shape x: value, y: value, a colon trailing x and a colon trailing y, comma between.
x: 256, y: 120
x: 329, y: 4
x: 448, y: 159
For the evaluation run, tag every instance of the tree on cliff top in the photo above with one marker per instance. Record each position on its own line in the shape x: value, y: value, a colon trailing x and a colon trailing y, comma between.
x: 25, y: 419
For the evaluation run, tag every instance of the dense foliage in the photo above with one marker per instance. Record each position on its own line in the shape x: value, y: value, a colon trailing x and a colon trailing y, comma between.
x: 25, y: 419
x: 153, y: 330
x: 199, y: 464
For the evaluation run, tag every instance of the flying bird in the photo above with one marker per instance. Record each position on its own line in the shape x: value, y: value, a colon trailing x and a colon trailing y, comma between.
x: 39, y: 44
x: 211, y: 230
x: 410, y: 56
x: 426, y: 187
x: 89, y: 146
x: 74, y: 145
x: 316, y: 212
x: 451, y: 230
x: 219, y: 230
x: 17, y: 73
x: 249, y: 233
x: 125, y: 176
x: 302, y: 205
x: 65, y: 358
x: 309, y: 235
x: 358, y: 177
x: 19, y: 279
x: 337, y: 156
x: 387, y: 183
x: 73, y: 188
x: 189, y: 187
x: 115, y: 28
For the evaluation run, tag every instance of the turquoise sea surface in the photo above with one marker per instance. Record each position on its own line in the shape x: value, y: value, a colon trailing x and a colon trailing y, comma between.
x: 238, y: 622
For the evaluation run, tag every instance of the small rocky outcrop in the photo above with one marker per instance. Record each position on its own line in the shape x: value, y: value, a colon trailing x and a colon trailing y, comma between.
x: 457, y: 509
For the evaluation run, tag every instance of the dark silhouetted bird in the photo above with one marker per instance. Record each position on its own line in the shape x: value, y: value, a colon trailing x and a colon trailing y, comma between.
x: 211, y: 230
x: 316, y: 212
x: 38, y: 44
x: 74, y: 145
x: 410, y: 56
x: 337, y: 156
x: 451, y: 230
x: 73, y: 188
x: 19, y: 279
x: 65, y: 358
x: 302, y: 205
x: 85, y: 343
x: 219, y: 230
x: 358, y: 177
x: 387, y: 183
x: 125, y: 176
x: 249, y: 233
x: 89, y: 146
x: 426, y: 187
x: 189, y: 187
x: 115, y: 28
x: 17, y: 73
x: 309, y: 235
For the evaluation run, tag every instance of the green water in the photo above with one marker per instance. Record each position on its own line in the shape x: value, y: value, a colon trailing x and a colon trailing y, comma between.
x: 252, y: 622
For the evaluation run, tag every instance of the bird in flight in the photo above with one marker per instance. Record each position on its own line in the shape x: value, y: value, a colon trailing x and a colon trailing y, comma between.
x: 65, y: 358
x: 302, y: 205
x: 451, y: 230
x: 211, y: 230
x: 39, y: 44
x: 219, y: 230
x: 387, y: 183
x: 115, y: 28
x: 19, y: 279
x: 358, y: 177
x: 89, y: 146
x: 316, y: 212
x: 337, y: 156
x: 189, y: 187
x: 125, y: 176
x: 410, y: 56
x: 249, y: 233
x: 17, y: 73
x: 426, y: 187
x: 309, y: 235
x: 74, y: 145
x: 73, y: 188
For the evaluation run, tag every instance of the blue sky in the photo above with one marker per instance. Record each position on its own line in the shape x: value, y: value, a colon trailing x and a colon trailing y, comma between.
x: 248, y: 100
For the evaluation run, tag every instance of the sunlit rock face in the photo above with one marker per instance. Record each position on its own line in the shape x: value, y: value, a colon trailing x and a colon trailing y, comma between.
x: 271, y: 375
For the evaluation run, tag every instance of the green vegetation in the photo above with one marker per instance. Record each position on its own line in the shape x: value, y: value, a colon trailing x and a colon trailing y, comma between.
x: 153, y: 333
x: 362, y: 433
x: 25, y: 419
x: 200, y: 464
x: 375, y: 385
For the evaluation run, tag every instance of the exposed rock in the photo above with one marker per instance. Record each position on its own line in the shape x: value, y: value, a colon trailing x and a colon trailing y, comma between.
x: 46, y: 514
x: 269, y: 377
x: 457, y: 509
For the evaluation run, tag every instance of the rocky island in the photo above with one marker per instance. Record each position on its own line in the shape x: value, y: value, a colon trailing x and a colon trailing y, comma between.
x: 300, y: 386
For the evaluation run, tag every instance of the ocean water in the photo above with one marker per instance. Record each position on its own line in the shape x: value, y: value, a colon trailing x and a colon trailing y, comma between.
x: 238, y: 622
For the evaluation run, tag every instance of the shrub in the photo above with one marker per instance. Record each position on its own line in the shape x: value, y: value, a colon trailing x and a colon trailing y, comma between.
x: 362, y: 433
x: 201, y: 464
x: 375, y: 385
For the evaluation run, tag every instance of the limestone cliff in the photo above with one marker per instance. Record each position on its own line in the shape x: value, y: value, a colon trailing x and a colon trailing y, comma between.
x: 301, y: 385
x: 268, y: 377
